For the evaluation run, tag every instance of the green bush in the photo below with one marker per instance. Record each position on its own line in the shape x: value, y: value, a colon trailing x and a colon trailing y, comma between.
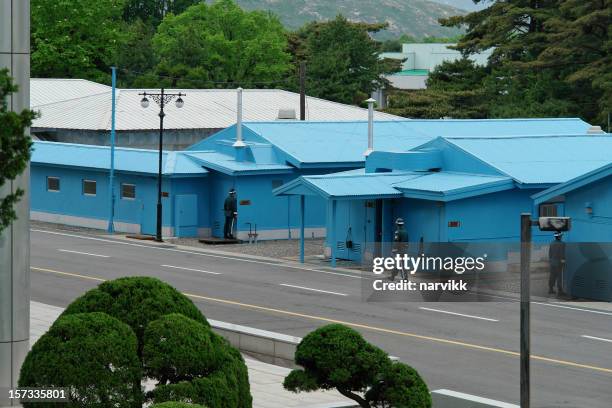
x: 92, y: 353
x: 336, y: 356
x: 191, y: 363
x: 136, y: 301
x: 400, y: 386
x: 176, y: 404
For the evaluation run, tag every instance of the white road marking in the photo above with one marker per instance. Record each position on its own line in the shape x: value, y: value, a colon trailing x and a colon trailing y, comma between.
x: 191, y: 269
x: 314, y: 290
x: 83, y: 253
x: 459, y: 314
x: 112, y: 241
x: 596, y: 338
x: 574, y: 308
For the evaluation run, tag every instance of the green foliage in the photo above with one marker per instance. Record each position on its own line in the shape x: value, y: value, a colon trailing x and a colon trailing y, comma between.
x: 335, y: 356
x: 91, y: 353
x: 221, y: 43
x: 136, y: 301
x: 191, y: 363
x: 175, y: 404
x: 551, y: 57
x: 15, y: 147
x: 154, y: 11
x: 341, y: 58
x: 76, y: 38
x: 400, y: 386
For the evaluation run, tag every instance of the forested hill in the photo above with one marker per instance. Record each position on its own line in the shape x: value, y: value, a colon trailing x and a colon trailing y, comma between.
x: 418, y: 18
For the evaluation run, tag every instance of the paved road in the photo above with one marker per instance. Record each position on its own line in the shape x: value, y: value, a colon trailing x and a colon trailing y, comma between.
x: 472, y: 351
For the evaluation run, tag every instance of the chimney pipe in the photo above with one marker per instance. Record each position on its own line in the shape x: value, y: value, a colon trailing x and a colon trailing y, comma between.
x: 370, y: 126
x: 239, y: 142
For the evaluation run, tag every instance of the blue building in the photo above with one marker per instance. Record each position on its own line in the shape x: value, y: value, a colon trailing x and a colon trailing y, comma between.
x: 463, y: 189
x: 587, y: 199
x: 271, y: 155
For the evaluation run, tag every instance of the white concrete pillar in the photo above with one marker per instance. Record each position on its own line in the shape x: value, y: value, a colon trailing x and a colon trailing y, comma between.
x: 15, y: 240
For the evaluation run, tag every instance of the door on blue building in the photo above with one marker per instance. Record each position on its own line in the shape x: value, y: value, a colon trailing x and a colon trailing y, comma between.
x: 148, y: 217
x: 186, y: 215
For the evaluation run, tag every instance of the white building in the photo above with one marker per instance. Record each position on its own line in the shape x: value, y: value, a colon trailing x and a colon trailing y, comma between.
x: 420, y: 60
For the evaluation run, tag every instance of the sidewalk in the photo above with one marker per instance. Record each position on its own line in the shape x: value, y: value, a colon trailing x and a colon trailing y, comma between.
x: 265, y: 379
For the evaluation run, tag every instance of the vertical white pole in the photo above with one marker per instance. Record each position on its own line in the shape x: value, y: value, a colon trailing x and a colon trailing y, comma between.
x: 370, y: 126
x: 239, y: 142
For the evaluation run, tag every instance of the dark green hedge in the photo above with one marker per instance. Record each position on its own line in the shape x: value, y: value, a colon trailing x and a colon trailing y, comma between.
x: 176, y: 404
x: 136, y: 301
x: 192, y: 363
x: 92, y: 353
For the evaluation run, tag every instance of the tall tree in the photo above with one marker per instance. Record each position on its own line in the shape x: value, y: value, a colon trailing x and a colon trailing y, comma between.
x: 154, y: 11
x: 76, y: 38
x: 221, y: 45
x: 342, y: 59
x: 14, y: 147
x: 579, y: 46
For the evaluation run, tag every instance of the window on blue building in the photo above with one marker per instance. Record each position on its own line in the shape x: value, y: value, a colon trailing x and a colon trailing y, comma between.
x: 128, y: 191
x: 53, y: 184
x: 548, y: 210
x: 89, y: 187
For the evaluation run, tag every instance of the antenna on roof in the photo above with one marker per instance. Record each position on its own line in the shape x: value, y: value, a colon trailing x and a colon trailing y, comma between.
x: 370, y: 127
x: 239, y: 142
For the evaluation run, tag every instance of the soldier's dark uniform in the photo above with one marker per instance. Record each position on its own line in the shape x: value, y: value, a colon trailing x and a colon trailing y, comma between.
x: 400, y: 244
x: 556, y: 258
x: 229, y: 208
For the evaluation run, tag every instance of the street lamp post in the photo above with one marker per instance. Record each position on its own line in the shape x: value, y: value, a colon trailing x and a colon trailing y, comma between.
x: 161, y: 99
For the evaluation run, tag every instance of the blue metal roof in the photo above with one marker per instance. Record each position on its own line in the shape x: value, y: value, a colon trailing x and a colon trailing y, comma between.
x: 573, y: 184
x: 126, y: 160
x: 492, y: 128
x: 439, y: 186
x: 541, y: 160
x: 343, y: 143
x: 447, y: 186
x: 227, y: 164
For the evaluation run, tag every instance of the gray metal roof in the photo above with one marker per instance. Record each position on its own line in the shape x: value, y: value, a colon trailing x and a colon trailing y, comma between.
x: 86, y: 105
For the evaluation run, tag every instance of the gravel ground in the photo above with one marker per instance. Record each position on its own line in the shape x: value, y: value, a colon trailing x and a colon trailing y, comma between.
x: 285, y: 249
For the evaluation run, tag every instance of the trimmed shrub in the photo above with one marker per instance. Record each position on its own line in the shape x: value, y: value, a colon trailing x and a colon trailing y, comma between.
x: 336, y: 356
x: 400, y: 386
x: 136, y: 301
x: 193, y: 364
x: 92, y: 353
x: 176, y: 404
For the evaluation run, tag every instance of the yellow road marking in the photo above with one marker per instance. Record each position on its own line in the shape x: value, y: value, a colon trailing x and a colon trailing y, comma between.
x: 359, y: 325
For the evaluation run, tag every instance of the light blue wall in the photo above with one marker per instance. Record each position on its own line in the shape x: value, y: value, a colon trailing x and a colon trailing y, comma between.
x: 71, y: 201
x: 598, y: 226
x: 199, y: 186
x: 491, y: 217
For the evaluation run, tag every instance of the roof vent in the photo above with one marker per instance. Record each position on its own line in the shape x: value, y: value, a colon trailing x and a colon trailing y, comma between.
x: 595, y: 130
x: 286, y: 113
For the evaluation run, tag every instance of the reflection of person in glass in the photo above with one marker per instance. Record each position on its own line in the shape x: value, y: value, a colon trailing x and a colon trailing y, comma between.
x: 229, y: 208
x: 400, y: 245
x: 556, y: 258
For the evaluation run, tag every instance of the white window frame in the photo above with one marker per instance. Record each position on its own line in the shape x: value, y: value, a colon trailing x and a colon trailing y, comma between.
x: 95, y: 187
x: 123, y: 197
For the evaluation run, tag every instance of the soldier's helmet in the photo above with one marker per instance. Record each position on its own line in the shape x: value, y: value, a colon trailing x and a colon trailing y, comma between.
x: 399, y: 221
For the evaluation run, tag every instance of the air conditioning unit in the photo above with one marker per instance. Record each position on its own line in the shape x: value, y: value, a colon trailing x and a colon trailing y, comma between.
x: 286, y: 113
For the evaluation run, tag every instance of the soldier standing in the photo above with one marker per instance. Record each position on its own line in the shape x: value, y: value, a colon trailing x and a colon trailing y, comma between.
x: 556, y: 258
x: 230, y: 210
